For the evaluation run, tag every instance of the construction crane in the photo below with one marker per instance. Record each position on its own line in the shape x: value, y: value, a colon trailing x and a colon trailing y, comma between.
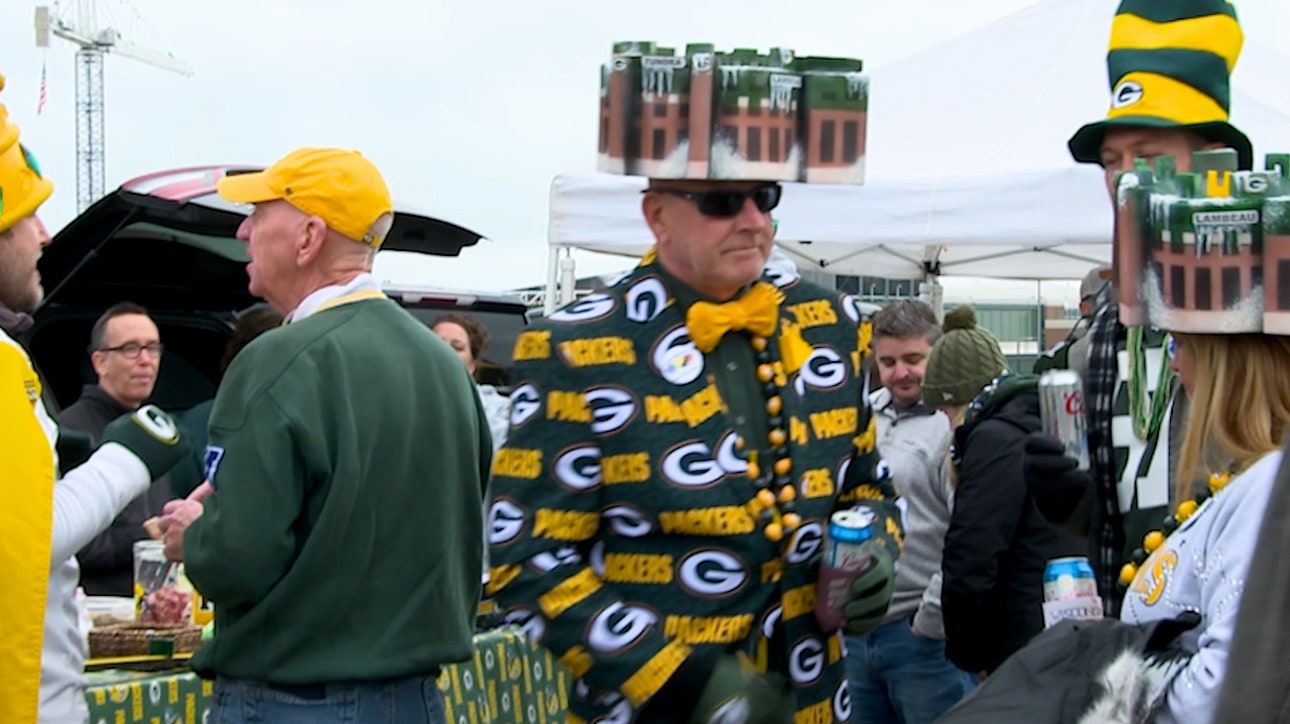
x: 94, y: 41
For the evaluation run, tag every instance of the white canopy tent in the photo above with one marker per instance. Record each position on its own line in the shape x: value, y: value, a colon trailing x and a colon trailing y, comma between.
x: 968, y: 172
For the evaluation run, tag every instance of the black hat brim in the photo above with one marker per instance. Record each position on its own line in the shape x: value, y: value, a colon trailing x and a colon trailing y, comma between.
x: 1086, y: 145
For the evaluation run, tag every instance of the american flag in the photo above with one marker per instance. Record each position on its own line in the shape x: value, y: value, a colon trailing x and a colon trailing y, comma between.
x: 44, y: 95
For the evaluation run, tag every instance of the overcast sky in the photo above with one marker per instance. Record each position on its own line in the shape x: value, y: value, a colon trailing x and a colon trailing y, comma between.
x: 469, y: 108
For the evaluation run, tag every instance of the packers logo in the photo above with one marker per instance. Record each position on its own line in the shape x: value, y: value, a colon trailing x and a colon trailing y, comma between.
x: 736, y: 710
x: 881, y: 471
x: 627, y: 521
x: 597, y: 558
x: 620, y: 710
x: 782, y: 276
x: 592, y: 306
x: 690, y: 465
x: 611, y: 408
x: 159, y: 425
x: 530, y: 621
x: 806, y: 662
x: 676, y: 358
x: 619, y: 626
x: 525, y: 402
x: 805, y: 543
x: 645, y: 300
x: 844, y: 467
x: 702, y: 62
x: 727, y: 457
x: 711, y: 573
x: 842, y: 702
x: 548, y: 561
x: 578, y: 468
x: 505, y: 521
x: 851, y: 308
x: 770, y: 621
x: 825, y: 369
x: 1126, y: 94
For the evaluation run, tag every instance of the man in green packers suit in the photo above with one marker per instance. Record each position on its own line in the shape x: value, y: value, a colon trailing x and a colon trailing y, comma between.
x: 679, y: 442
x: 339, y: 535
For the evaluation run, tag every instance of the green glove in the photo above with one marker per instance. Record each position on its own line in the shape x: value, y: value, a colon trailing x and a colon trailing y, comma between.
x: 738, y: 694
x: 152, y: 436
x: 870, y: 595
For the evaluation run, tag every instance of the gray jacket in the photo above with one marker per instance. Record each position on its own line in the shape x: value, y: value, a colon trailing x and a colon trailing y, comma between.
x: 915, y: 442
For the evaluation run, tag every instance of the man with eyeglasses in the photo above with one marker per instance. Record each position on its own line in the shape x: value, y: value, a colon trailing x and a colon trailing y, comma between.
x: 48, y: 513
x: 125, y: 351
x: 679, y: 442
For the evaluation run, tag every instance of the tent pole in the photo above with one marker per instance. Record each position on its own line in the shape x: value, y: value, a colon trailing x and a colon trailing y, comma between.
x: 568, y: 279
x: 934, y: 294
x: 549, y: 303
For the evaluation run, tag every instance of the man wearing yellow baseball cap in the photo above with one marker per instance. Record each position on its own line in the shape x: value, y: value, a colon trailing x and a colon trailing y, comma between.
x: 47, y: 517
x: 338, y: 533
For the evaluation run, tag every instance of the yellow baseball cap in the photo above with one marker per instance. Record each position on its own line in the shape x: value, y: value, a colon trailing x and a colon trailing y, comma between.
x: 339, y: 186
x: 22, y: 188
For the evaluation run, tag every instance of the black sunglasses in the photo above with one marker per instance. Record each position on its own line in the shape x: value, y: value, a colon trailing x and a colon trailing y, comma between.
x: 725, y: 204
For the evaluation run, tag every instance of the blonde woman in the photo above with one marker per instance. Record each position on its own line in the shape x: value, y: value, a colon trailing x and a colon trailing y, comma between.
x: 1239, y: 387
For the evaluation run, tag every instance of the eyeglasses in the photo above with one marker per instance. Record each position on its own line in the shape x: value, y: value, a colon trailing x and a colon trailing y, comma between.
x: 725, y: 204
x: 131, y: 350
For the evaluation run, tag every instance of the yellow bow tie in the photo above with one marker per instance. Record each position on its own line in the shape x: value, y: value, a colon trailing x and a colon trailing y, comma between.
x: 757, y: 311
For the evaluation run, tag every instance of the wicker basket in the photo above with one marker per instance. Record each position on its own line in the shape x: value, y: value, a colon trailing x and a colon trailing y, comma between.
x: 142, y: 639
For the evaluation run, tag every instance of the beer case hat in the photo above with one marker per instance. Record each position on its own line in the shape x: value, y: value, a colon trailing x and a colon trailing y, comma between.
x: 739, y: 115
x: 1169, y: 64
x: 339, y: 186
x: 22, y: 188
x: 963, y: 361
x: 1207, y: 251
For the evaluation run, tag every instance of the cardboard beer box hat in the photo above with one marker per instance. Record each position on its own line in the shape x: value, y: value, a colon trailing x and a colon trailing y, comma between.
x: 732, y: 116
x: 1169, y: 65
x: 1207, y: 251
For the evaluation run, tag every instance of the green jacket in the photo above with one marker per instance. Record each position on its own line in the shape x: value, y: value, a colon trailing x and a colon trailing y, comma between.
x: 349, y: 452
x: 620, y: 529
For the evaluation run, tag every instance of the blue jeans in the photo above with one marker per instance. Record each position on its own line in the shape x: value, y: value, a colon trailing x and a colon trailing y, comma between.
x: 899, y: 677
x: 414, y: 700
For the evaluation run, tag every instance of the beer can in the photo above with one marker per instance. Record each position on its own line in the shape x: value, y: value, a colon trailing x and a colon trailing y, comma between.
x: 1066, y: 578
x: 1061, y: 412
x: 849, y: 539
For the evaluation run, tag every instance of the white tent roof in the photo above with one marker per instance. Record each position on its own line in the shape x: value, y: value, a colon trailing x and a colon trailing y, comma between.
x: 968, y: 172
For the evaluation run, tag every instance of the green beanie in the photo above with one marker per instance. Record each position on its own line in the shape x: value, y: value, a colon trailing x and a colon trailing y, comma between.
x: 964, y: 360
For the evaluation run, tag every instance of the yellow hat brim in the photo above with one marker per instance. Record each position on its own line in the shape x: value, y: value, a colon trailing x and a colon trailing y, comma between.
x: 247, y: 188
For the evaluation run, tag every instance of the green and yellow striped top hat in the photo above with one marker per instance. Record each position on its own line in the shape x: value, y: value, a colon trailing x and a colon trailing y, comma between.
x: 1169, y: 65
x: 22, y: 188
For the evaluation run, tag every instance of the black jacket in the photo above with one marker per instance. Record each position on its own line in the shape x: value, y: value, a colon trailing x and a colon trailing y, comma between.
x: 107, y: 562
x: 997, y: 544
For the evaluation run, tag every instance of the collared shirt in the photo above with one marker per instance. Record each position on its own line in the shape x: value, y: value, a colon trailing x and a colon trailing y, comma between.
x: 733, y: 369
x: 318, y: 298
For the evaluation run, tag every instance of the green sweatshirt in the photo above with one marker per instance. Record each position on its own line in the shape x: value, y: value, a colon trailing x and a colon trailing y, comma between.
x: 349, y: 452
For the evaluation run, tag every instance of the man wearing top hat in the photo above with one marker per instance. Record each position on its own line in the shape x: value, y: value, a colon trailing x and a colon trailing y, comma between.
x: 1169, y: 64
x: 679, y: 442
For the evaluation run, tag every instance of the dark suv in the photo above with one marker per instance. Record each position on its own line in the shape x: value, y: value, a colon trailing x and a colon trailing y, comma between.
x: 167, y: 241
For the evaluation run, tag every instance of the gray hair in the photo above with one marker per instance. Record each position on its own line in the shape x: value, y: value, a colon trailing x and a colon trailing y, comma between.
x: 906, y: 318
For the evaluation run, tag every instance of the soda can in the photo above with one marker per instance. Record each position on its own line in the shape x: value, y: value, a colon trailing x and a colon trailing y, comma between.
x: 1066, y: 578
x: 849, y: 536
x: 1061, y: 412
x: 848, y: 552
